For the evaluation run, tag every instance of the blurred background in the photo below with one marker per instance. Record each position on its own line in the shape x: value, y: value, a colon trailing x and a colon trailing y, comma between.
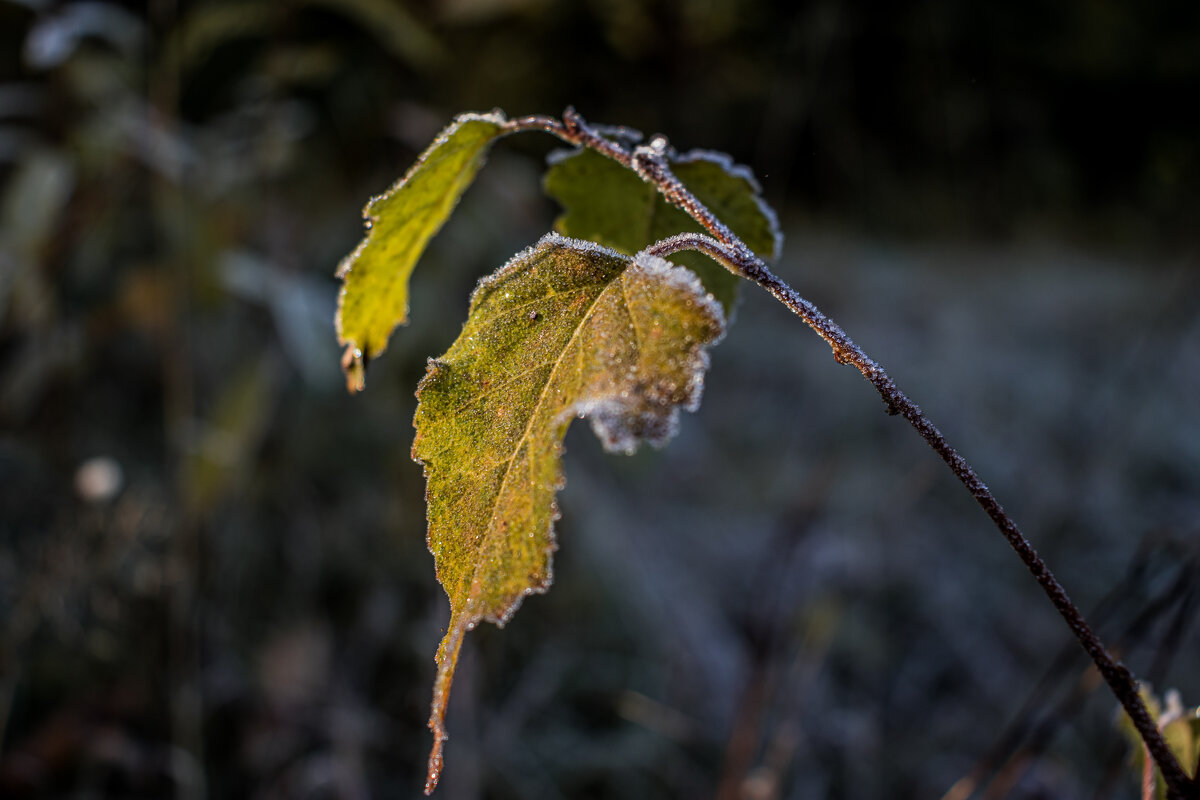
x: 213, y: 580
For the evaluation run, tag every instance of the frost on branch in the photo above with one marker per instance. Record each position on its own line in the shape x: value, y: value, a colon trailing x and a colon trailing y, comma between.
x: 566, y: 329
x: 605, y: 202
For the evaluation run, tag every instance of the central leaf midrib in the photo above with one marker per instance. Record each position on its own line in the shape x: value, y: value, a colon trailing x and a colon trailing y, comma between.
x: 489, y: 529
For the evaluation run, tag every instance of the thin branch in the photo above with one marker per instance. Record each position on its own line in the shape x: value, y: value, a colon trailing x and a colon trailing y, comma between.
x: 649, y: 161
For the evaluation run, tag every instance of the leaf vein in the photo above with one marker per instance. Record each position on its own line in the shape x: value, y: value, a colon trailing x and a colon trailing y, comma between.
x: 489, y: 529
x: 551, y: 293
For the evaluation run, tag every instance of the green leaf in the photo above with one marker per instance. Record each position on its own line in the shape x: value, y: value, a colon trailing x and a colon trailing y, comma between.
x: 1180, y: 734
x: 565, y: 329
x: 400, y: 222
x: 606, y: 203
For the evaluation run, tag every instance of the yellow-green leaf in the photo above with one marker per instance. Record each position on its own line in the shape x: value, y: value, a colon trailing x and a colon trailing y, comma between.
x: 606, y: 203
x: 566, y: 329
x: 400, y: 222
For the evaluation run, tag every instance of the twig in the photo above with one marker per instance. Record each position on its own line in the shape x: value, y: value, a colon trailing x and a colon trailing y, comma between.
x: 649, y: 161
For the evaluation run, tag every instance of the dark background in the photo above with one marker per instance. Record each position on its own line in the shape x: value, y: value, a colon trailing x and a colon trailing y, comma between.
x: 213, y: 580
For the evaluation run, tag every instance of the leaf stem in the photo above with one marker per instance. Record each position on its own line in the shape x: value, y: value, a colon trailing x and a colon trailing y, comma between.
x: 650, y: 162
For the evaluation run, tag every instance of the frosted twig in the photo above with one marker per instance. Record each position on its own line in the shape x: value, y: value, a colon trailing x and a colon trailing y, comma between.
x: 650, y: 163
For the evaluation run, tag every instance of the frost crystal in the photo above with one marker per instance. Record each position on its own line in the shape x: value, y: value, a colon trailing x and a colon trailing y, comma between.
x: 745, y: 173
x: 651, y: 414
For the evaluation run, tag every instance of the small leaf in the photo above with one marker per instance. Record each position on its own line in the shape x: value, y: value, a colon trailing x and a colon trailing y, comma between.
x: 609, y: 204
x: 1180, y: 728
x: 400, y: 222
x: 565, y: 329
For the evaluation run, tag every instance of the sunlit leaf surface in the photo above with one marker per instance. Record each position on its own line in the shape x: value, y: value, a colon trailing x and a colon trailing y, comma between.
x: 400, y: 222
x: 609, y: 204
x: 565, y: 329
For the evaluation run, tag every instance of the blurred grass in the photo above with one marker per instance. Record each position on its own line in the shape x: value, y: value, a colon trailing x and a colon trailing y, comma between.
x: 212, y: 570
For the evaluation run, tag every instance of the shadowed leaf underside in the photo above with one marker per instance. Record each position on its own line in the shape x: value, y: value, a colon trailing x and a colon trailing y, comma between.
x: 606, y: 203
x: 400, y: 223
x: 566, y: 329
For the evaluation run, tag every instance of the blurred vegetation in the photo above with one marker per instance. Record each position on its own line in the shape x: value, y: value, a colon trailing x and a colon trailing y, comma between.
x: 213, y: 579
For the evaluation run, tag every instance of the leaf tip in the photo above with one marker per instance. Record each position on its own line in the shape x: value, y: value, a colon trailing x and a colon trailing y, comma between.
x: 434, y: 772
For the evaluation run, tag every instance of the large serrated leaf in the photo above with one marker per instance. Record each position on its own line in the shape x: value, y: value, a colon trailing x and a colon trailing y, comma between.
x: 565, y: 329
x: 607, y: 203
x: 400, y: 222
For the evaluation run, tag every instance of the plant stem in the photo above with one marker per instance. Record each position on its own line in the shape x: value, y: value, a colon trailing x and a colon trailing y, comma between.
x: 650, y: 162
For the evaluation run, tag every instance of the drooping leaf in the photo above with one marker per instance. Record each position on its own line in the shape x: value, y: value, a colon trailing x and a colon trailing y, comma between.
x: 606, y: 203
x: 565, y: 329
x: 400, y: 222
